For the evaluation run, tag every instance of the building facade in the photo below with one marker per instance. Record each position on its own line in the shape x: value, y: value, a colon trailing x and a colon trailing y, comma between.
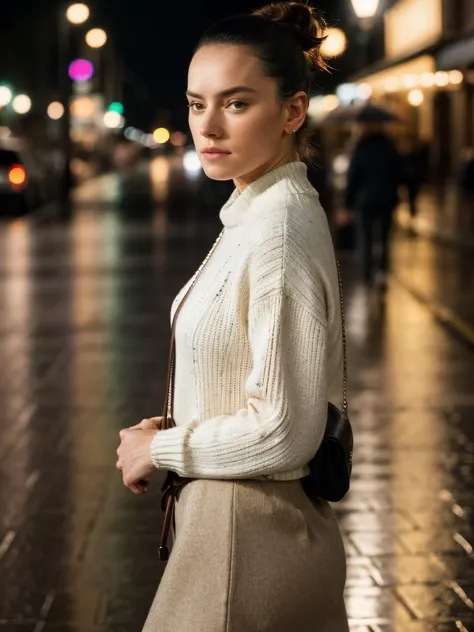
x: 427, y: 75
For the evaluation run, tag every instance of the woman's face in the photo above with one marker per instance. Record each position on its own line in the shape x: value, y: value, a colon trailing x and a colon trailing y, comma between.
x: 234, y: 108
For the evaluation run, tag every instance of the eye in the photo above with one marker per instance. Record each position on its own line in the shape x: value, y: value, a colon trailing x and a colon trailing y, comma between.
x: 196, y: 106
x: 238, y: 105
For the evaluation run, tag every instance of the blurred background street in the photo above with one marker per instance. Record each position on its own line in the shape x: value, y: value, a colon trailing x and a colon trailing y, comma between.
x: 105, y: 213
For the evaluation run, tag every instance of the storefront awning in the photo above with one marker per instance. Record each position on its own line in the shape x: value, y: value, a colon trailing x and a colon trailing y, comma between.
x: 457, y: 55
x: 454, y: 54
x: 388, y: 64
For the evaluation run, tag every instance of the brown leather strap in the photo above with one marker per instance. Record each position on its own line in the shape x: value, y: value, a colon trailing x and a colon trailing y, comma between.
x: 167, y: 420
x: 167, y: 416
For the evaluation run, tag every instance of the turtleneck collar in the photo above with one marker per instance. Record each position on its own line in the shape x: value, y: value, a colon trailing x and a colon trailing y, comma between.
x: 291, y: 178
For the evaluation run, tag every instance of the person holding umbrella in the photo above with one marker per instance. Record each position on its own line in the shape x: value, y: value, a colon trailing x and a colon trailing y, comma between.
x: 374, y: 176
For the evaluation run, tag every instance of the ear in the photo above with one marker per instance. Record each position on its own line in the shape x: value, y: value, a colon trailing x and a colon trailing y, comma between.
x: 297, y: 106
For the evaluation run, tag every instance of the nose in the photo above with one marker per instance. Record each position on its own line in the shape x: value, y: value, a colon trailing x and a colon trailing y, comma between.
x: 210, y: 127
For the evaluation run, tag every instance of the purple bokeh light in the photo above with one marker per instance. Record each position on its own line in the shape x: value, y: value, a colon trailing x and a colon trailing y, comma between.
x: 81, y: 70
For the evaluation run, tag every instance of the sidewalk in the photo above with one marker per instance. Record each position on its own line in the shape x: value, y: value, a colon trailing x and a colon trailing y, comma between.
x: 433, y: 258
x: 84, y: 333
x: 442, y: 215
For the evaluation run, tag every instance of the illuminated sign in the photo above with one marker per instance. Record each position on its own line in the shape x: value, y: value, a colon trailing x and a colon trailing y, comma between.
x: 411, y: 25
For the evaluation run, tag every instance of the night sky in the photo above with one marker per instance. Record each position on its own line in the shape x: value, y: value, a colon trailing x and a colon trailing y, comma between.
x: 154, y: 39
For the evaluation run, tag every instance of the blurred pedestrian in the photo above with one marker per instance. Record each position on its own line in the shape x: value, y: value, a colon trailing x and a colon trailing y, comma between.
x: 259, y: 353
x: 373, y: 180
x: 415, y: 158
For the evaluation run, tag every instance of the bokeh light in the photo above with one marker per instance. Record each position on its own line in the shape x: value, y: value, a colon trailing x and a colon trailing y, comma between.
x: 81, y: 70
x: 364, y: 91
x: 441, y: 79
x: 178, y: 139
x: 55, y: 110
x: 113, y: 120
x: 346, y: 93
x: 83, y: 107
x: 78, y: 13
x: 365, y: 8
x: 191, y: 163
x: 161, y: 135
x: 5, y: 95
x: 335, y: 43
x: 415, y: 97
x: 96, y: 38
x: 455, y: 77
x: 330, y: 102
x: 116, y: 106
x: 17, y: 175
x: 21, y: 104
x: 427, y: 79
x: 410, y: 80
x: 149, y: 141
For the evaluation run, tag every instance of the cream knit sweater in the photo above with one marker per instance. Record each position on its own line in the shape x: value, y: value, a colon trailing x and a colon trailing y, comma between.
x: 258, y: 340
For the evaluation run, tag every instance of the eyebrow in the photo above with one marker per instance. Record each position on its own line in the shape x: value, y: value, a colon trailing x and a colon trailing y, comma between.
x: 224, y: 93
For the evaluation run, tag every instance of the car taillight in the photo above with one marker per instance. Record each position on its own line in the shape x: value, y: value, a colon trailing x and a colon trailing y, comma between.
x: 17, y: 175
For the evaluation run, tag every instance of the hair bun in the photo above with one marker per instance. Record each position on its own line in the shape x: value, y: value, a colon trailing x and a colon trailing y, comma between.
x: 306, y: 25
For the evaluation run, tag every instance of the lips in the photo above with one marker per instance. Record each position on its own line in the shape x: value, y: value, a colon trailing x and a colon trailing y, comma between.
x: 213, y: 150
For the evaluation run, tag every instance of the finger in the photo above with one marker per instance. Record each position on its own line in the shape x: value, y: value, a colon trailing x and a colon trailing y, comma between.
x: 133, y: 485
x: 137, y: 488
x: 151, y: 424
x: 139, y: 425
x: 145, y: 424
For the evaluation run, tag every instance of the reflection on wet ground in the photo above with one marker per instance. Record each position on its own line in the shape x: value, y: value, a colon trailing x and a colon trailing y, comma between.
x: 84, y: 321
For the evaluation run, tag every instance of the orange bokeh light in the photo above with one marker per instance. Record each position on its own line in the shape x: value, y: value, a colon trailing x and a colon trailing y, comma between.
x: 17, y: 175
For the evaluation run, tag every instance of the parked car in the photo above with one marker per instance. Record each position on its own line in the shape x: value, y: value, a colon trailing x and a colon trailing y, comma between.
x: 25, y: 182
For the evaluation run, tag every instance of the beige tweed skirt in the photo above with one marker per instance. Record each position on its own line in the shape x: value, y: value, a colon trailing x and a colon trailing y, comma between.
x: 251, y: 556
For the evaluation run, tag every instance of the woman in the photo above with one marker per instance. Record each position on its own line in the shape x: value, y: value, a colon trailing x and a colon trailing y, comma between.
x: 258, y: 354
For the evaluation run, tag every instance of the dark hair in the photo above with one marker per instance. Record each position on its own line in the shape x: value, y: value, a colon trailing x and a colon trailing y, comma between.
x: 286, y: 37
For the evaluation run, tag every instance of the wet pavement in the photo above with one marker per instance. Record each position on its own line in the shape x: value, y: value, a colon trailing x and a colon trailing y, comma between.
x: 443, y: 213
x: 84, y: 322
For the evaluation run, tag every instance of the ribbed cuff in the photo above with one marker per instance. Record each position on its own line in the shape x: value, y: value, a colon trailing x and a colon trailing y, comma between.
x: 167, y: 449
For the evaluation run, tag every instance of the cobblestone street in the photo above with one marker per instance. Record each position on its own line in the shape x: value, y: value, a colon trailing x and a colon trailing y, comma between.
x: 84, y: 322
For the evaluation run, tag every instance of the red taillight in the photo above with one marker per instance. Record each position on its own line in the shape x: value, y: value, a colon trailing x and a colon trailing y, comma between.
x: 17, y: 175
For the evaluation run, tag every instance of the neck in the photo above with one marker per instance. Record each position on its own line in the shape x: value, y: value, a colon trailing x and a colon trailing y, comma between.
x: 242, y: 182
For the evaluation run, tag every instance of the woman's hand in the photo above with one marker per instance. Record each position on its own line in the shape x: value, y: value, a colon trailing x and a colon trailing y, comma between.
x: 134, y: 458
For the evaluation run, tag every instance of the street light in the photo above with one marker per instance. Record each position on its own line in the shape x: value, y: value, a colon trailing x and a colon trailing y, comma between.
x: 96, y: 38
x: 365, y: 9
x: 77, y: 13
x: 74, y: 14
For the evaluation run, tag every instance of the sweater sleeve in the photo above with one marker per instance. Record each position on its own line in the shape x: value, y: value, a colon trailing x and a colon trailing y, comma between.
x: 283, y: 423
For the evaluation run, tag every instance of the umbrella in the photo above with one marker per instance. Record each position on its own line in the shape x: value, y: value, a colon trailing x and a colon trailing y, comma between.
x: 361, y: 113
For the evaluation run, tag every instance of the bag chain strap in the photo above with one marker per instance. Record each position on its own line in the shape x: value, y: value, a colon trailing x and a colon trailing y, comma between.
x: 344, y: 343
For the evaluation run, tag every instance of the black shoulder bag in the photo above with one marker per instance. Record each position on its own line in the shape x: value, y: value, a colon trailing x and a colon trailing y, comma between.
x: 331, y: 466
